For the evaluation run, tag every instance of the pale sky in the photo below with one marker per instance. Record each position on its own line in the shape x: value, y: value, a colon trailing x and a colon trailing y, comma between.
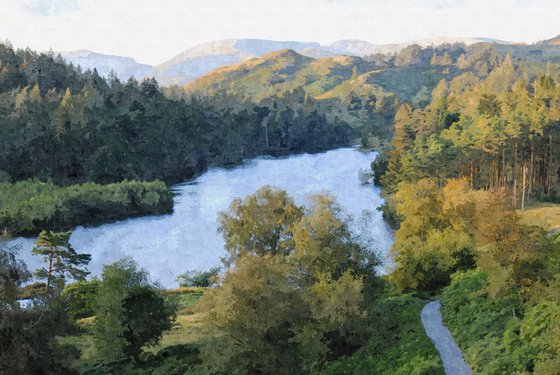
x: 152, y: 31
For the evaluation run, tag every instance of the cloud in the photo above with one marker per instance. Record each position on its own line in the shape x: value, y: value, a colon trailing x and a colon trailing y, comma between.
x: 443, y: 4
x: 435, y: 4
x: 48, y: 8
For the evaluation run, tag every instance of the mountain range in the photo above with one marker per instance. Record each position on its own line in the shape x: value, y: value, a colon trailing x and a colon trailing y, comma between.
x: 199, y: 60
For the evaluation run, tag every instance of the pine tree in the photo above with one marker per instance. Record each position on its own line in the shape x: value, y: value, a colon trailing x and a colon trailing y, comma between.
x: 62, y: 260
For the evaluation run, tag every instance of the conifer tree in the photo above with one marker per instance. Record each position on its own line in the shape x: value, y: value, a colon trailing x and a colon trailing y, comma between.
x: 62, y: 260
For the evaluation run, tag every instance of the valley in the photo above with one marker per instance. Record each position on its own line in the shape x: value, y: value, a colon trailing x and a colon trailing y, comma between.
x: 262, y: 207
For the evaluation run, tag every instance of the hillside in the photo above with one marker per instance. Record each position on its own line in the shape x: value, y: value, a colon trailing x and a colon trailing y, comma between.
x: 278, y: 73
x: 551, y: 42
x: 361, y: 93
x: 284, y: 72
x: 73, y: 127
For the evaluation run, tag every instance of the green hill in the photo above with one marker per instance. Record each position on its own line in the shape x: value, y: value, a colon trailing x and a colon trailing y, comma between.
x: 283, y: 72
x: 278, y: 74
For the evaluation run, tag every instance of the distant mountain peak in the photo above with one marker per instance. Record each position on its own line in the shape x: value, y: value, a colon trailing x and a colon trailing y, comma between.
x: 284, y: 72
x: 124, y: 67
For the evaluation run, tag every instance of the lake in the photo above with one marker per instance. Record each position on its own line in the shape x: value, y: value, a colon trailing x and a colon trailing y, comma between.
x: 188, y: 239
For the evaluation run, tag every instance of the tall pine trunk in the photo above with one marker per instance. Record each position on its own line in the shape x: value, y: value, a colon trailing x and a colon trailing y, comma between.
x: 514, y: 195
x: 532, y: 166
x: 523, y: 184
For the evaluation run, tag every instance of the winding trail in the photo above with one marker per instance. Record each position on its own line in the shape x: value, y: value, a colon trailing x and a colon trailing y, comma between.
x: 450, y: 354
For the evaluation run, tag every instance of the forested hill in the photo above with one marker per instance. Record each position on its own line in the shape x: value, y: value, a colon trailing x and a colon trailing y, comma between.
x: 500, y: 133
x: 365, y: 91
x: 69, y: 126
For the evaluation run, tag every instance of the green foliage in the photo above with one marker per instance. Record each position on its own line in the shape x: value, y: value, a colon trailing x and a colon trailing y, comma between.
x: 488, y: 135
x: 186, y: 301
x: 5, y: 177
x: 509, y: 252
x: 81, y: 297
x: 130, y: 313
x: 13, y: 273
x: 489, y: 106
x: 457, y: 171
x: 491, y: 132
x: 28, y: 206
x: 363, y: 93
x: 455, y: 228
x: 260, y: 224
x: 502, y: 335
x: 29, y: 339
x: 62, y: 260
x: 171, y: 360
x: 398, y: 345
x: 258, y: 311
x: 435, y: 236
x: 379, y: 167
x: 200, y: 278
x: 146, y: 317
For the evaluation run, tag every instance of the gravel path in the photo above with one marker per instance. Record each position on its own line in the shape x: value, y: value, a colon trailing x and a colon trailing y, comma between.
x: 450, y: 354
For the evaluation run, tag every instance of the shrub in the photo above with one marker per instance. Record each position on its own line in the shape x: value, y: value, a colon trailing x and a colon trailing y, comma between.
x: 200, y: 278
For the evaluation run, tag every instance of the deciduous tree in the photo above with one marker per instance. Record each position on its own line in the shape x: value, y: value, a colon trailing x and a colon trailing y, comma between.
x: 131, y: 313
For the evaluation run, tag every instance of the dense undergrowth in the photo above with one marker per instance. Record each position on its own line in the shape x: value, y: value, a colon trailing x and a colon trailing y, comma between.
x: 399, y: 346
x: 505, y: 334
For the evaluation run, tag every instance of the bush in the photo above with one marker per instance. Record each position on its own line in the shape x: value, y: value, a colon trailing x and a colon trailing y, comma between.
x: 5, y: 177
x: 131, y: 313
x: 379, y: 167
x: 80, y: 297
x: 171, y: 360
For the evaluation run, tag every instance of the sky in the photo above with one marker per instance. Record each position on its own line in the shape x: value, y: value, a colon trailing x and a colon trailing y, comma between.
x: 153, y: 31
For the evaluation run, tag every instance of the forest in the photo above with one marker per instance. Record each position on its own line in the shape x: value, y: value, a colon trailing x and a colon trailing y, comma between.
x: 65, y: 127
